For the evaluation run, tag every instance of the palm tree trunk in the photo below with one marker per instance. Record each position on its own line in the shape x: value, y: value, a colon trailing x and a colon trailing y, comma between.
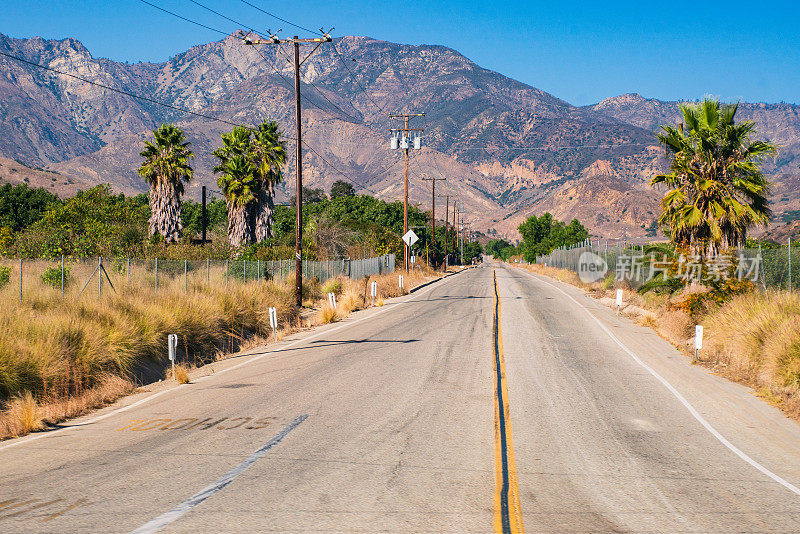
x: 238, y: 225
x: 165, y: 212
x: 265, y: 208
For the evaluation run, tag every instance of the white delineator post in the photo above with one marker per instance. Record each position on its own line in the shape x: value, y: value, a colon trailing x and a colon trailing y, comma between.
x: 172, y: 345
x: 332, y: 300
x: 273, y: 322
x: 400, y: 281
x: 698, y: 340
x: 619, y: 300
x: 374, y: 292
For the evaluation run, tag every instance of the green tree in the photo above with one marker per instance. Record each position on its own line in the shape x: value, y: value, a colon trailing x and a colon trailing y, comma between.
x: 716, y: 189
x: 340, y: 188
x: 542, y: 235
x: 21, y: 206
x: 310, y: 196
x: 495, y: 247
x: 93, y: 222
x: 166, y: 168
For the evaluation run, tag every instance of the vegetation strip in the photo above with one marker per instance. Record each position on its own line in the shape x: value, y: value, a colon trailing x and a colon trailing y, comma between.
x: 508, y: 512
x: 186, y: 506
x: 700, y: 419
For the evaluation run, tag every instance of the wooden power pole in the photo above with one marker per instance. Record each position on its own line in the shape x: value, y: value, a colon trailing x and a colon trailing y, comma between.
x: 298, y: 231
x: 433, y: 209
x: 405, y: 144
x: 446, y: 217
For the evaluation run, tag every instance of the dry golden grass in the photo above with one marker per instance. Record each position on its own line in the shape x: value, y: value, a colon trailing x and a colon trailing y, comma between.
x: 23, y: 414
x: 62, y: 348
x: 755, y: 338
x: 327, y: 314
x: 181, y: 374
x: 54, y: 411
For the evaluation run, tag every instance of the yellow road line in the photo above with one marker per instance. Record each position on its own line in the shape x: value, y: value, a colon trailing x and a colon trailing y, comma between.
x: 507, y: 510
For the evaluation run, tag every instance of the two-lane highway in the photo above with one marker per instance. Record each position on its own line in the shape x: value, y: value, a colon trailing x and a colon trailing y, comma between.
x: 389, y: 422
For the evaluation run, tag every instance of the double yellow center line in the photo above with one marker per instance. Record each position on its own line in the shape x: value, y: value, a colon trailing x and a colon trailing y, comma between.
x: 507, y: 511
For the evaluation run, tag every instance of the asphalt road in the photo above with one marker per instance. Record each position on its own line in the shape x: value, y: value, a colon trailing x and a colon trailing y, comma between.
x: 388, y: 421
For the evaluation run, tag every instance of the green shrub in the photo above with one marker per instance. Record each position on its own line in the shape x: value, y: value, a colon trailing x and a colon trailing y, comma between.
x: 52, y: 277
x: 5, y: 276
x: 334, y: 285
x: 609, y: 280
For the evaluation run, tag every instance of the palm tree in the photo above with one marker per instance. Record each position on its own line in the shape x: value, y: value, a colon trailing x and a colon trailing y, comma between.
x: 717, y: 191
x: 238, y: 184
x: 166, y: 168
x: 269, y: 156
x: 239, y: 190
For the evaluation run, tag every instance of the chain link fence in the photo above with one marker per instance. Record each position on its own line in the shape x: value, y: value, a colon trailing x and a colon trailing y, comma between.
x: 775, y: 268
x: 99, y: 275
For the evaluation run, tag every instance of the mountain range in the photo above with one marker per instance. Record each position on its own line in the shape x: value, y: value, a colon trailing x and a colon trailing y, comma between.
x: 506, y: 149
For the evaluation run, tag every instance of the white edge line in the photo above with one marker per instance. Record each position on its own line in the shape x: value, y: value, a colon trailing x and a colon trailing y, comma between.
x: 186, y: 506
x: 47, y: 434
x: 700, y: 419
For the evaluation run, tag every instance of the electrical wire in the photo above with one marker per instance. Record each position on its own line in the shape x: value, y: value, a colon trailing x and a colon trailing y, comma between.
x: 184, y: 18
x: 279, y: 18
x: 124, y: 92
x: 355, y: 79
x: 277, y: 72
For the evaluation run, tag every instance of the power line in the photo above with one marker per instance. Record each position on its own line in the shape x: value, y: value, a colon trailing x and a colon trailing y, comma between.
x: 243, y: 25
x: 355, y: 79
x: 126, y: 93
x: 565, y: 147
x: 280, y: 19
x: 184, y: 110
x: 239, y: 23
x: 184, y: 18
x: 344, y: 113
x: 275, y: 68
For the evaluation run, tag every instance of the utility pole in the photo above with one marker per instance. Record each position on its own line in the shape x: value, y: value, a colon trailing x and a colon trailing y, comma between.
x: 203, y: 221
x: 433, y: 208
x: 298, y: 230
x: 404, y: 143
x: 455, y: 229
x: 463, y: 235
x: 446, y: 224
x: 446, y: 216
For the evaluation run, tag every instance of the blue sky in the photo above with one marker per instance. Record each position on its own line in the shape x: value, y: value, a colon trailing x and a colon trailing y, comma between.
x: 581, y: 52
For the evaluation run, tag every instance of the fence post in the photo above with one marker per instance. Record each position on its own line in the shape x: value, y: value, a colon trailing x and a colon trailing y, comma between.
x: 62, y: 275
x: 128, y: 270
x: 244, y: 270
x: 185, y: 276
x: 258, y: 270
x: 156, y: 276
x: 100, y: 277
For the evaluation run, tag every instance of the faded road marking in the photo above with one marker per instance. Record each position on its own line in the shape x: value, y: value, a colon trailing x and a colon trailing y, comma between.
x: 27, y: 507
x: 186, y: 506
x: 194, y: 423
x: 508, y: 512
